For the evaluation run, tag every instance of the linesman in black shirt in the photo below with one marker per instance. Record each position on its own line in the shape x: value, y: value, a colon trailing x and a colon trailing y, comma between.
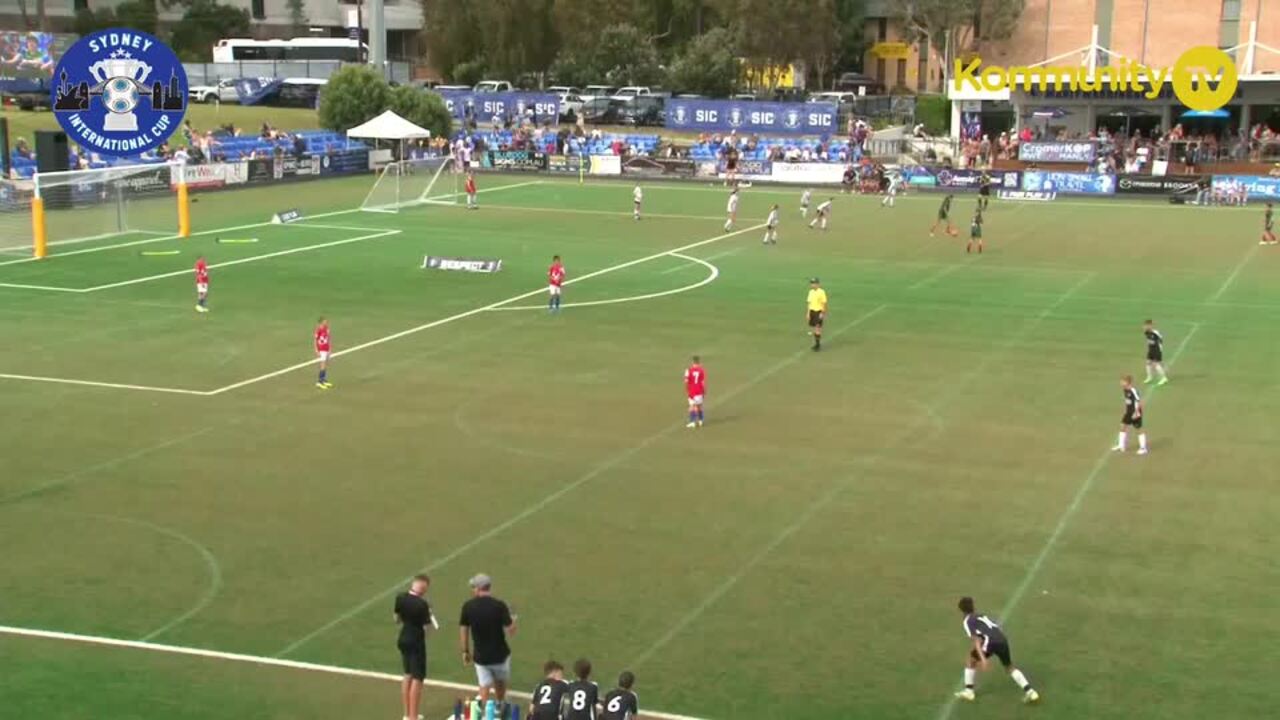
x: 988, y: 640
x: 414, y: 615
x: 547, y: 697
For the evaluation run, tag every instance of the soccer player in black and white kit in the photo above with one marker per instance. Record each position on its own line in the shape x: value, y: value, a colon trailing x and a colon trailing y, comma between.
x: 582, y: 697
x: 622, y: 703
x: 824, y: 212
x: 1133, y: 412
x: 1155, y: 352
x: 547, y: 697
x: 988, y: 640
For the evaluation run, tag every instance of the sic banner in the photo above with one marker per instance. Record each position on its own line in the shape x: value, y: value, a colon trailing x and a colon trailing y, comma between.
x: 753, y: 117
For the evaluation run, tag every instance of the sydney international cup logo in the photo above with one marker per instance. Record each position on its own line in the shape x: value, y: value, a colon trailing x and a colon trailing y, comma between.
x: 119, y: 92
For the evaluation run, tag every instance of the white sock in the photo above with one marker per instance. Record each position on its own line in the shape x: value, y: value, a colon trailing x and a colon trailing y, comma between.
x: 1142, y: 441
x: 1160, y: 369
x: 1021, y: 679
x: 1120, y: 441
x: 969, y: 675
x: 728, y: 224
x: 815, y: 222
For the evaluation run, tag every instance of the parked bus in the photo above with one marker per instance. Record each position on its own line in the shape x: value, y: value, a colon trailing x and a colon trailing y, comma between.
x: 305, y: 48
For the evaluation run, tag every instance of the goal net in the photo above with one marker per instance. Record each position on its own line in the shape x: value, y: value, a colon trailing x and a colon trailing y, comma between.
x: 408, y: 183
x: 83, y: 206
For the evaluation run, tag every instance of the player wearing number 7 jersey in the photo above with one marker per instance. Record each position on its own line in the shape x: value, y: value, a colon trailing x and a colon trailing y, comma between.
x: 549, y: 694
x: 621, y: 703
x: 582, y: 697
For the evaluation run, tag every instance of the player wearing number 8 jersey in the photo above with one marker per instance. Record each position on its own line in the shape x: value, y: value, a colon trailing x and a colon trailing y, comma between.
x: 582, y: 697
x: 549, y: 694
x: 622, y: 703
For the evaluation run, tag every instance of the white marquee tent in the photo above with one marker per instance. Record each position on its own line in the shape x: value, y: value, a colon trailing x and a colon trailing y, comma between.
x: 389, y: 126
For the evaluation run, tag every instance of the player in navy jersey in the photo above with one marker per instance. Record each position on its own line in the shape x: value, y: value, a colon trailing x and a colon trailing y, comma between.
x: 1133, y: 416
x: 1155, y: 352
x: 622, y: 703
x: 582, y: 697
x: 988, y: 640
x: 545, y: 704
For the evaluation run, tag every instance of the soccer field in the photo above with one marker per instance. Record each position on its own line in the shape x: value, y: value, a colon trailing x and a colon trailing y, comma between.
x: 177, y: 479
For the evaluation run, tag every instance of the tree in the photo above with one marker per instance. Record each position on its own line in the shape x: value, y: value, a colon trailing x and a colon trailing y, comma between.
x: 204, y: 22
x: 997, y: 19
x: 625, y: 56
x: 773, y: 39
x: 943, y: 23
x: 421, y: 108
x: 579, y: 21
x: 519, y: 36
x: 708, y: 66
x: 452, y: 33
x: 851, y: 37
x: 298, y: 20
x: 354, y: 94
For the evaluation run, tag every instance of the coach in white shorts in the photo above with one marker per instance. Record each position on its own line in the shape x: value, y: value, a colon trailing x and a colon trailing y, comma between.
x: 485, y: 624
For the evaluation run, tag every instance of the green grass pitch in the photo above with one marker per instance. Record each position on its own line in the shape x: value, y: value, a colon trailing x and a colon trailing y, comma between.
x: 181, y: 481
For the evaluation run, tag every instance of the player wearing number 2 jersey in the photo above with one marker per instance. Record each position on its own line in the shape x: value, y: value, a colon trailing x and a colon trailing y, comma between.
x: 621, y: 703
x: 547, y: 697
x: 582, y: 697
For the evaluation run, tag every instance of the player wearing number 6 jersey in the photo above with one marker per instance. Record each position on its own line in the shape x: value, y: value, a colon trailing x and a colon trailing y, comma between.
x: 695, y: 385
x: 322, y: 354
x: 582, y: 697
x: 549, y: 694
x: 621, y: 703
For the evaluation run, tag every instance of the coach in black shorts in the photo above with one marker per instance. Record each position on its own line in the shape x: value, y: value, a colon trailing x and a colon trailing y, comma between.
x: 414, y: 615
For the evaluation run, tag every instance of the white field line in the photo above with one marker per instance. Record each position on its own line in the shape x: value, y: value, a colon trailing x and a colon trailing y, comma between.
x: 76, y: 241
x: 530, y: 510
x: 42, y: 288
x: 713, y: 256
x: 92, y: 383
x: 626, y: 213
x: 1051, y: 543
x: 264, y: 661
x: 242, y: 261
x: 475, y: 311
x: 712, y: 274
x: 1231, y: 279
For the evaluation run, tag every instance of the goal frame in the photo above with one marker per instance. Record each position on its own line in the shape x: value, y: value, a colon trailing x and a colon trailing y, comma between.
x: 393, y: 172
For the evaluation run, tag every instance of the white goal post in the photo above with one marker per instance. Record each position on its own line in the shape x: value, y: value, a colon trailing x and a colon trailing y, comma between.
x: 408, y: 183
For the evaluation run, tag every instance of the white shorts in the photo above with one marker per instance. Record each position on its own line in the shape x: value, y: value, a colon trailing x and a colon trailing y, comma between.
x: 202, y: 288
x: 488, y: 675
x: 554, y: 289
x: 323, y: 355
x: 695, y: 400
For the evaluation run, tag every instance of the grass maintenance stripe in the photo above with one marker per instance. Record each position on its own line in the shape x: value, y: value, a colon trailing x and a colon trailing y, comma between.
x: 266, y: 661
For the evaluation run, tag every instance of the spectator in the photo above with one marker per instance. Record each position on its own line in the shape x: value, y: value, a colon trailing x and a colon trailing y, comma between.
x: 487, y: 621
x: 413, y: 614
x: 188, y: 132
x: 22, y: 150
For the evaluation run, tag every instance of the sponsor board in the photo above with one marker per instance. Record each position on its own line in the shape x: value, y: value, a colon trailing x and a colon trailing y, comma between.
x: 1058, y: 151
x: 524, y: 160
x: 605, y: 165
x: 753, y: 117
x: 213, y: 175
x: 284, y: 217
x: 930, y: 176
x: 1258, y: 186
x: 258, y: 170
x: 288, y: 166
x: 1026, y: 195
x: 484, y: 106
x: 568, y: 163
x: 1156, y: 184
x: 1081, y: 183
x: 477, y: 265
x: 344, y: 161
x: 807, y: 173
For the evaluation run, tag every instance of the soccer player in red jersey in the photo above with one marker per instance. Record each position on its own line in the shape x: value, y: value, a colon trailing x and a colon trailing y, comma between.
x: 470, y: 187
x: 322, y: 353
x: 695, y: 384
x: 555, y: 280
x: 202, y: 285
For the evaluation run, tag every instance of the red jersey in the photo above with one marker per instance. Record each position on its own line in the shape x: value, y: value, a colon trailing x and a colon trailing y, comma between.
x: 471, y: 186
x: 695, y: 380
x: 555, y: 274
x: 202, y: 272
x: 322, y: 338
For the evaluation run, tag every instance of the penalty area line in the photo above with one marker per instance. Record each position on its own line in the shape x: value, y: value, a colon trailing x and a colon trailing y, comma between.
x: 259, y: 660
x: 94, y: 383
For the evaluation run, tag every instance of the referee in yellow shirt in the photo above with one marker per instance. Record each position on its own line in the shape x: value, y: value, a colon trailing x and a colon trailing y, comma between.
x: 817, y: 311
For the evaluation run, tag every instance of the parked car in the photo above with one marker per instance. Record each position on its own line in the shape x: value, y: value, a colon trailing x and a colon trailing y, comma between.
x: 596, y: 91
x: 631, y: 91
x: 747, y: 97
x: 788, y: 95
x: 602, y: 111
x: 642, y: 111
x: 570, y: 106
x: 852, y: 82
x: 493, y: 86
x: 452, y: 88
x: 224, y: 91
x: 840, y: 98
x: 563, y: 89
